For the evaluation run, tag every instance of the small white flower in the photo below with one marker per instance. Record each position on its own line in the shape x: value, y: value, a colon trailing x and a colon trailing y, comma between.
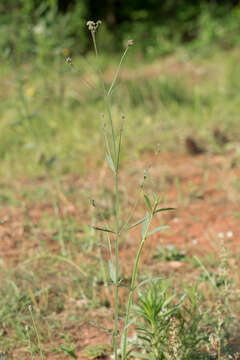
x: 68, y: 60
x: 221, y: 235
x: 130, y: 43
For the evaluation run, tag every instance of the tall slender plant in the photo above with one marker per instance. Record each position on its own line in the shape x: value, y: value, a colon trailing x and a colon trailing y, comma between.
x: 113, y: 149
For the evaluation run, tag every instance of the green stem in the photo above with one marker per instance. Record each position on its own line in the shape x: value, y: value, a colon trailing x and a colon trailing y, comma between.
x: 129, y: 303
x: 117, y: 72
x: 107, y: 102
x: 116, y: 156
x: 125, y: 225
x: 115, y: 340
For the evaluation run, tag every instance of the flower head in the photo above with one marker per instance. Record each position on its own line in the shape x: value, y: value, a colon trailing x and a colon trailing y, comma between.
x: 130, y: 43
x: 69, y: 60
x: 92, y: 26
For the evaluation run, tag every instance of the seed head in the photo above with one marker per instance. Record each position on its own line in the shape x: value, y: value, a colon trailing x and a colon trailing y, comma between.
x: 130, y: 43
x: 69, y: 60
x: 92, y: 26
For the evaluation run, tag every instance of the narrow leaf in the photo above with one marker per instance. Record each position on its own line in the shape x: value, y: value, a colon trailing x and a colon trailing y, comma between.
x: 158, y: 229
x: 147, y: 281
x: 119, y: 148
x: 136, y: 223
x: 112, y: 271
x: 145, y: 225
x: 169, y: 299
x: 103, y: 229
x: 69, y: 350
x: 170, y: 311
x: 163, y: 209
x: 138, y: 355
x: 133, y: 321
x: 98, y: 326
x: 148, y: 203
x: 110, y: 162
x: 211, y: 279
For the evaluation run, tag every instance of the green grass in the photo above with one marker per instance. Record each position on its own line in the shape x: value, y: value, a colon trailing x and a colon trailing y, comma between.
x: 50, y: 120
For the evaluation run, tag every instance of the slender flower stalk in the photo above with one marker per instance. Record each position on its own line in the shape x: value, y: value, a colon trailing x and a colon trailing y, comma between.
x: 116, y: 152
x: 134, y: 274
x: 113, y: 149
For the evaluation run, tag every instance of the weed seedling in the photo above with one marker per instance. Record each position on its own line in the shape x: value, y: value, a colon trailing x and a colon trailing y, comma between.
x: 156, y: 311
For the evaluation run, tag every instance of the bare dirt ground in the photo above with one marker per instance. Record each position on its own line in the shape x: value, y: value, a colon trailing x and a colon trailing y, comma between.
x: 204, y: 189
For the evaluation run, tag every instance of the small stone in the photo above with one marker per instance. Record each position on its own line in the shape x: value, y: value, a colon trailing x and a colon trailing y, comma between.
x: 175, y: 264
x: 229, y: 234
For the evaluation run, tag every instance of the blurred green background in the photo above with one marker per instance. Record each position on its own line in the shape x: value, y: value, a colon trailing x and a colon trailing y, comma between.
x: 157, y: 26
x: 180, y: 78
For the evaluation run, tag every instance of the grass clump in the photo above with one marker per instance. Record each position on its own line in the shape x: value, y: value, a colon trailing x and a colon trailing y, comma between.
x: 156, y: 310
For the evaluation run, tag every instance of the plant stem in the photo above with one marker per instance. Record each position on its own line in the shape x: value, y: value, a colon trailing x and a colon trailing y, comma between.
x: 116, y: 157
x: 134, y: 274
x: 115, y: 343
x: 117, y: 72
x: 29, y: 344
